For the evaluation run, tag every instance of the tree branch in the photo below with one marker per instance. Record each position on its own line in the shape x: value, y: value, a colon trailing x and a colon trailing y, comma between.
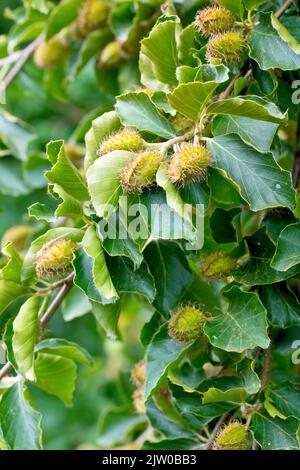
x: 23, y: 57
x: 215, y: 432
x: 284, y: 7
x: 45, y: 318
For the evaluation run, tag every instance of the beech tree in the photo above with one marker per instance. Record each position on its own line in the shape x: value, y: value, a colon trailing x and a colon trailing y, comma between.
x: 149, y: 178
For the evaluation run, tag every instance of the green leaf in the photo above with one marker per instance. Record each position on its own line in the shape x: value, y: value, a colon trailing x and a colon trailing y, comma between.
x: 75, y: 304
x: 41, y: 212
x: 189, y: 99
x: 163, y: 353
x: 118, y: 426
x: 28, y: 271
x: 214, y: 395
x: 287, y: 252
x: 223, y: 191
x: 20, y: 423
x: 127, y: 279
x: 9, y: 291
x: 11, y: 271
x: 256, y: 269
x: 171, y: 444
x: 250, y: 106
x: 101, y: 128
x: 56, y: 375
x: 62, y: 347
x: 15, y: 134
x: 275, y: 433
x: 175, y: 201
x: 26, y: 333
x: 118, y: 246
x: 242, y: 326
x: 167, y: 425
x: 64, y: 173
x: 103, y: 178
x: 92, y: 275
x: 62, y: 15
x: 171, y: 272
x: 253, y: 4
x: 108, y: 317
x: 235, y: 6
x: 261, y: 181
x: 259, y: 134
x: 160, y: 48
x: 246, y: 369
x: 137, y: 110
x: 282, y: 306
x: 272, y: 47
x: 12, y: 180
x: 286, y: 398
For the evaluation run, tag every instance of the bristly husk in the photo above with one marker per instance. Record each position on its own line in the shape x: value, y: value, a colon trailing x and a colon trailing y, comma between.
x: 189, y: 164
x: 140, y: 172
x: 54, y: 260
x: 213, y: 20
x: 186, y: 323
x: 125, y: 139
x: 234, y: 436
x: 217, y: 265
x: 225, y: 48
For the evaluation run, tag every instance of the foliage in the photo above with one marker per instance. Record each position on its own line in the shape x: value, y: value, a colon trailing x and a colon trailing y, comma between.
x: 141, y: 105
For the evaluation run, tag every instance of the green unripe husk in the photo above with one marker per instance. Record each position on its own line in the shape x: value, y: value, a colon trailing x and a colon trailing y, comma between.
x: 217, y: 265
x: 234, y: 436
x: 225, y: 48
x: 94, y: 13
x: 51, y: 53
x: 111, y: 56
x: 214, y: 20
x: 140, y: 172
x: 189, y: 164
x: 54, y: 260
x: 125, y: 139
x: 186, y: 323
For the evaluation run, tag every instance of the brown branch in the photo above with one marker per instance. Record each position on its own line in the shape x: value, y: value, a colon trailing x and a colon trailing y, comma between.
x: 215, y: 432
x: 284, y: 7
x: 24, y: 56
x: 266, y: 368
x: 45, y: 318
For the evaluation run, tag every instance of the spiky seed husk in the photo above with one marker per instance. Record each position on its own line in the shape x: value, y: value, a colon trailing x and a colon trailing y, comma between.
x: 186, y: 323
x: 138, y: 400
x: 214, y: 20
x: 225, y: 48
x: 51, y: 53
x: 234, y: 436
x: 94, y: 13
x: 217, y: 265
x: 181, y: 123
x: 140, y: 172
x: 138, y: 373
x: 111, y: 56
x: 54, y: 260
x: 18, y: 235
x: 125, y: 139
x: 189, y: 164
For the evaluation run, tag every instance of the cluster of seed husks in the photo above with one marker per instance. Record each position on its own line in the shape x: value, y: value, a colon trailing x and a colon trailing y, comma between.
x: 226, y: 44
